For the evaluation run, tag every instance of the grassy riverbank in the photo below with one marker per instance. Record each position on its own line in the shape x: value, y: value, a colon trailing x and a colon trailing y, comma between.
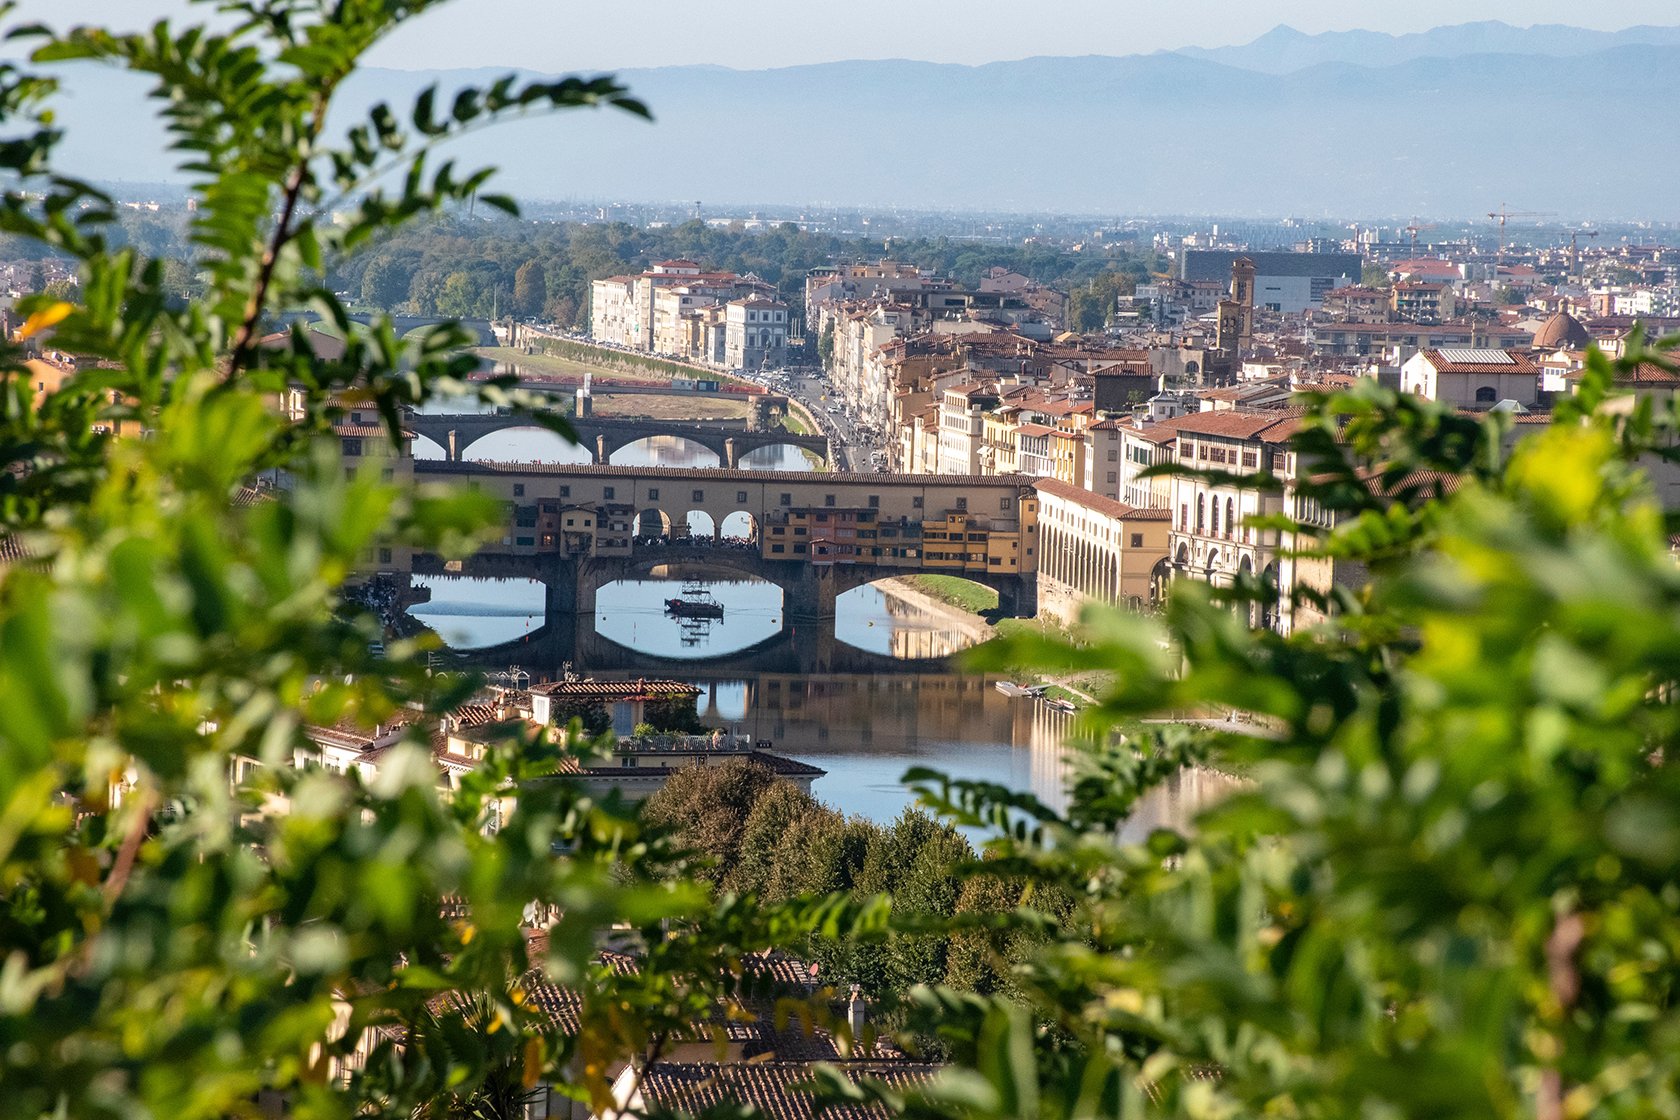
x: 957, y: 592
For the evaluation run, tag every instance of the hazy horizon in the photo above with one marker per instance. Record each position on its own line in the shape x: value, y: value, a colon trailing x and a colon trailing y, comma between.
x: 769, y: 34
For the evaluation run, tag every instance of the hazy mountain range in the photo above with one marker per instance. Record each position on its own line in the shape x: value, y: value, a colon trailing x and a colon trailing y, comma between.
x: 1451, y: 122
x: 1283, y: 50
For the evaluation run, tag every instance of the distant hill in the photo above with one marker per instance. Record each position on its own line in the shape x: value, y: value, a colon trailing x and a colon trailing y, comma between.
x: 1284, y: 50
x: 1446, y: 135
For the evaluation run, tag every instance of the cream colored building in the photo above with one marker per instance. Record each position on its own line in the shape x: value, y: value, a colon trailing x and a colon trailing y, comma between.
x: 1095, y: 549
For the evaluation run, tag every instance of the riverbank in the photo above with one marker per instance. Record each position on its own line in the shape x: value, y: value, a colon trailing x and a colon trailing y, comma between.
x: 959, y: 603
x: 966, y: 623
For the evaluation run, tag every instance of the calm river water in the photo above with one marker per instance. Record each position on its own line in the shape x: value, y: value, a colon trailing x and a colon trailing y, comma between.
x: 865, y: 730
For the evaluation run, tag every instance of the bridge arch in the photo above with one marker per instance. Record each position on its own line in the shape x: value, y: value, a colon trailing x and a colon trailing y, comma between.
x: 651, y: 523
x: 701, y: 525
x: 533, y: 443
x: 1159, y: 579
x: 739, y: 526
x: 779, y: 456
x: 656, y: 448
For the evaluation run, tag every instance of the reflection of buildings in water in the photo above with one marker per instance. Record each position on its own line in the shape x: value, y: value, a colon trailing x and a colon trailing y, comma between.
x: 926, y: 643
x: 1175, y: 804
x: 1045, y: 731
x: 901, y: 719
x: 874, y: 714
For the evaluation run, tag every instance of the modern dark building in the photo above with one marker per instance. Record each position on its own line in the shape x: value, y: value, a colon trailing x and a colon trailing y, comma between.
x: 1287, y: 282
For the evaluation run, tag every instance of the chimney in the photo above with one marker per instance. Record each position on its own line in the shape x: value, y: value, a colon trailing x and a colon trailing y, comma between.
x: 857, y: 1015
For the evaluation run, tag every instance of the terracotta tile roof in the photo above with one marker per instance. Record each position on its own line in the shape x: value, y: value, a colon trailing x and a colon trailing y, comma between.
x: 766, y: 977
x: 716, y: 474
x: 366, y: 431
x: 1269, y: 427
x: 1097, y: 503
x: 1649, y: 373
x: 772, y: 1089
x: 12, y: 550
x: 248, y: 496
x: 615, y: 690
x: 1443, y: 362
x: 475, y: 715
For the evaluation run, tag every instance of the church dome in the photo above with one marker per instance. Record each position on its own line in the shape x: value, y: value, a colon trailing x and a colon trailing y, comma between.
x: 1562, y: 332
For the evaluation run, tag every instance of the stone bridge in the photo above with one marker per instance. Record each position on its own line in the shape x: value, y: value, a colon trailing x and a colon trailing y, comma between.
x: 576, y: 528
x: 403, y: 324
x: 800, y: 649
x: 727, y: 439
x: 805, y: 643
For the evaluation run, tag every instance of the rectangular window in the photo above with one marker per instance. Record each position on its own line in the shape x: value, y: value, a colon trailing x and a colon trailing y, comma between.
x: 1137, y: 540
x: 519, y: 489
x: 526, y: 542
x: 874, y: 501
x: 351, y: 446
x: 778, y: 548
x: 565, y: 491
x: 699, y: 495
x: 916, y: 502
x: 1003, y: 504
x: 828, y: 499
x: 787, y: 499
x: 962, y: 504
x: 740, y: 495
x: 653, y: 493
x: 1113, y: 455
x: 607, y: 493
x: 384, y: 556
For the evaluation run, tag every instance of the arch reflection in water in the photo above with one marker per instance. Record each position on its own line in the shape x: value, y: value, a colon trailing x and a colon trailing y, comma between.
x: 777, y: 457
x: 880, y: 618
x: 632, y: 613
x: 663, y: 451
x: 473, y: 613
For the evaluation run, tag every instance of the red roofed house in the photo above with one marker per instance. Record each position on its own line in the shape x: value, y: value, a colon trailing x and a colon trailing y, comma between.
x: 1472, y: 378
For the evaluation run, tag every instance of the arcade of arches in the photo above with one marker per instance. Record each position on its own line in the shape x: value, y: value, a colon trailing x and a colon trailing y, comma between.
x: 1098, y: 549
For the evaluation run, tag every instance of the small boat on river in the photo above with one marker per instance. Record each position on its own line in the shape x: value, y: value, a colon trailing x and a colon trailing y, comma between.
x: 693, y: 608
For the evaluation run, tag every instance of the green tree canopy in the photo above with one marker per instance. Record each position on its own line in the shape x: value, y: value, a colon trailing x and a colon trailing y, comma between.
x: 194, y: 914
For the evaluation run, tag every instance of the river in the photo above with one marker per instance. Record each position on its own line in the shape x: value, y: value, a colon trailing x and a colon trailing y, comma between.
x: 864, y: 729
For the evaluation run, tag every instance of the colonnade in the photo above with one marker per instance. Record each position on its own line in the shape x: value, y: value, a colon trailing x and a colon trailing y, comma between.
x: 1088, y: 567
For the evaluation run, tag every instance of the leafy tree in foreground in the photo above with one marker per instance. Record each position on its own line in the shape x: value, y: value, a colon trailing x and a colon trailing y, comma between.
x: 1449, y: 888
x: 172, y: 944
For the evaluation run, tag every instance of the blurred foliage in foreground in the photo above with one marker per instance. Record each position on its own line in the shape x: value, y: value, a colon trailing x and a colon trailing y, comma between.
x: 1448, y: 887
x: 1448, y: 890
x: 172, y: 944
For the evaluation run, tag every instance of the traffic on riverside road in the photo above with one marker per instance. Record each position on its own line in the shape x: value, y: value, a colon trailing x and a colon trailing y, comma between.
x: 853, y: 447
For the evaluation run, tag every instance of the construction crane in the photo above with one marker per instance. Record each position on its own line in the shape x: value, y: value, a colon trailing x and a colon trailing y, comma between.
x: 1575, y: 248
x: 1414, y: 229
x: 1505, y: 214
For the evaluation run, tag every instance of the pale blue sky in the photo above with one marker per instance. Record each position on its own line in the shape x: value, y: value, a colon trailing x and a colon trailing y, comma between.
x: 751, y: 34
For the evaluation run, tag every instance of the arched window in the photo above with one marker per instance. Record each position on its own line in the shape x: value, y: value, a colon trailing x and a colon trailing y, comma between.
x: 1201, y: 512
x: 1214, y: 527
x: 1487, y: 394
x: 1230, y: 518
